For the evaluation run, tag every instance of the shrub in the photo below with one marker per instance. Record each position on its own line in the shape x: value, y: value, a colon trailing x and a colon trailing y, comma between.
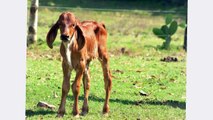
x: 166, y: 31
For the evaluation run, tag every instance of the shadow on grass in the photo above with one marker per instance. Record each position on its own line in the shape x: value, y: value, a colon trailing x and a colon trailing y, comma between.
x: 30, y: 113
x: 172, y: 103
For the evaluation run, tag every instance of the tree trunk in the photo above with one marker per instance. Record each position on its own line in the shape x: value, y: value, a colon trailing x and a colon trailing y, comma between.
x: 33, y: 22
x: 185, y: 34
x: 185, y: 40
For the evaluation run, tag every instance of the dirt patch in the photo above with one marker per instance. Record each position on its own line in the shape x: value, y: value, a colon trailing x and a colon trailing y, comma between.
x: 169, y: 59
x: 123, y: 51
x: 45, y: 54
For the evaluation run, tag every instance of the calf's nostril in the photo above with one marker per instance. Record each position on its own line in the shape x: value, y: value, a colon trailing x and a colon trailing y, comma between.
x: 64, y: 37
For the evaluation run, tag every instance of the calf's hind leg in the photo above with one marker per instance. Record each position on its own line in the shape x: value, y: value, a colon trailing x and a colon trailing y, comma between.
x: 107, y: 80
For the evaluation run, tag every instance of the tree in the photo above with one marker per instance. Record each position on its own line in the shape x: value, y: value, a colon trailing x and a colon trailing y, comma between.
x: 185, y: 40
x: 185, y: 34
x: 33, y: 22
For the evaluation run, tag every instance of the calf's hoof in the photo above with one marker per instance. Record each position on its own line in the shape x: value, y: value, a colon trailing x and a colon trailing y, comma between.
x: 76, y: 116
x: 59, y: 115
x: 83, y: 113
x: 75, y: 113
x: 105, y: 114
x: 85, y: 110
x: 106, y: 109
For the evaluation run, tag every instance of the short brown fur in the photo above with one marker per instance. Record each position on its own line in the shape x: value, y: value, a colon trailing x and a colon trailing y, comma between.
x: 89, y: 43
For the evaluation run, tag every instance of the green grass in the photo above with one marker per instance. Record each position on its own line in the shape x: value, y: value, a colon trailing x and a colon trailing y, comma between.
x: 139, y: 68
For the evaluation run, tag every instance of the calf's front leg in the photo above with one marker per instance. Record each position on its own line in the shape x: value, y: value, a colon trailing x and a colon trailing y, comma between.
x: 86, y: 83
x: 65, y: 88
x: 76, y: 90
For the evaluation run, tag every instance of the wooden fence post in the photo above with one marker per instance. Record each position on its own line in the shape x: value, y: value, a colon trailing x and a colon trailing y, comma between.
x: 33, y: 22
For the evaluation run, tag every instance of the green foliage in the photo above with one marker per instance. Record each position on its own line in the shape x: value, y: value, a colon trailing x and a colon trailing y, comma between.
x: 166, y: 43
x: 172, y: 28
x: 168, y: 19
x: 159, y: 33
x: 182, y: 25
x: 114, y: 4
x: 166, y: 31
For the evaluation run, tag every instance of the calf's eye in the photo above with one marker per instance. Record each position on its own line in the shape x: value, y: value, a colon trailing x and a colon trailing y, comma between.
x: 73, y: 25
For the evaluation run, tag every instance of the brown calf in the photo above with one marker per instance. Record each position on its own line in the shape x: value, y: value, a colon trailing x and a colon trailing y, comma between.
x: 81, y: 42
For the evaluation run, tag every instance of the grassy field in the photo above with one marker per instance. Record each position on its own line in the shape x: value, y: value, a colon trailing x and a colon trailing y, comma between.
x: 138, y: 68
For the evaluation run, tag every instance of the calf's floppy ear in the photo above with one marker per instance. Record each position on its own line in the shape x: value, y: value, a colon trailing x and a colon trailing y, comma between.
x: 80, y: 38
x: 51, y: 35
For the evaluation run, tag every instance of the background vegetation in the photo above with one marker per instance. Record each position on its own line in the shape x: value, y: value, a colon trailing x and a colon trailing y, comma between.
x: 135, y: 55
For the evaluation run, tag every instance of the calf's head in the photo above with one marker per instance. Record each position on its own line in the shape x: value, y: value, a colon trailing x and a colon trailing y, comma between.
x: 69, y: 29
